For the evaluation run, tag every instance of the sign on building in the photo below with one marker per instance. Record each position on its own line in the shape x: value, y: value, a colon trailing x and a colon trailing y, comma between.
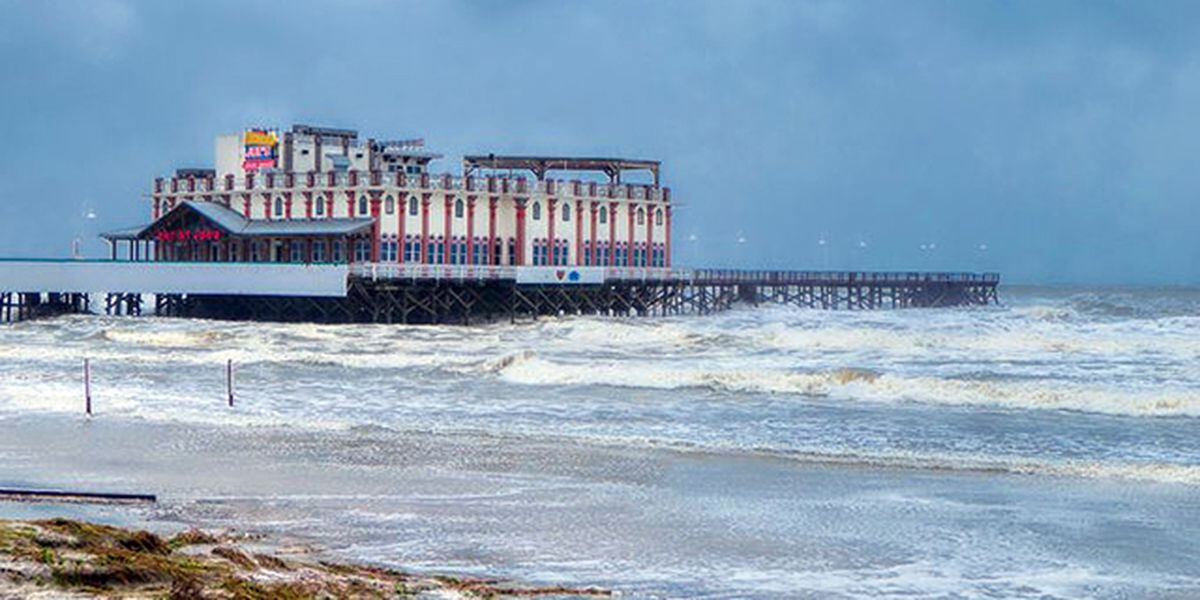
x: 261, y: 149
x: 560, y: 275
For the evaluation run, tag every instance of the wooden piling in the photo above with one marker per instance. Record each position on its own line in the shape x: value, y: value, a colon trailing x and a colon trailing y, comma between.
x: 229, y: 380
x: 87, y: 386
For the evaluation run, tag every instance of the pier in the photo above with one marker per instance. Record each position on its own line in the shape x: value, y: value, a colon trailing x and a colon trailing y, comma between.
x: 458, y: 294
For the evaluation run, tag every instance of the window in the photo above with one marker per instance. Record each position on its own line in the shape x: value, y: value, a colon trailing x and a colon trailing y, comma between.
x: 255, y: 251
x: 233, y: 252
x: 458, y: 209
x: 566, y: 212
x: 362, y: 205
x: 512, y: 251
x: 658, y: 217
x: 603, y: 214
x: 412, y: 249
x: 388, y: 250
x: 339, y: 251
x: 412, y: 205
x: 641, y: 216
x: 304, y: 152
x: 318, y: 251
x: 165, y: 207
x: 358, y: 155
x: 458, y: 251
x: 389, y: 205
x: 296, y: 251
x: 362, y: 250
x: 278, y: 206
x: 537, y: 211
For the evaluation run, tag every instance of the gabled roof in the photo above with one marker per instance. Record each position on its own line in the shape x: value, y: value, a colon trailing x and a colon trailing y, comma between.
x: 234, y: 223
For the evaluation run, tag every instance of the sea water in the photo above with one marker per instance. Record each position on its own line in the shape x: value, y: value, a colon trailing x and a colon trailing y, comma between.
x: 1045, y: 447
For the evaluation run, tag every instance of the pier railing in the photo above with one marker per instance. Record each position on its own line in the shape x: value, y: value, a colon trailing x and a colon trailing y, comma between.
x: 377, y: 271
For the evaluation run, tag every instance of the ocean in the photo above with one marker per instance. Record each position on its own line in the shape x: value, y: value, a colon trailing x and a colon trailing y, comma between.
x: 1047, y: 447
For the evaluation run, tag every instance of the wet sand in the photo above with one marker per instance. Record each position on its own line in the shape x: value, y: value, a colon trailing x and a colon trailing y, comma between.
x: 644, y: 521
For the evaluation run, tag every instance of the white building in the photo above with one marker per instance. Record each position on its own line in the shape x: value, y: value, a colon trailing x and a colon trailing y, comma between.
x: 317, y: 194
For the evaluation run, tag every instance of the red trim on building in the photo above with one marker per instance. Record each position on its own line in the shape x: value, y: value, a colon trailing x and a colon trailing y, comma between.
x: 612, y: 234
x: 579, y: 233
x: 631, y: 231
x: 667, y: 234
x: 425, y: 199
x: 470, y: 229
x: 520, y: 231
x: 401, y: 215
x: 552, y: 245
x: 375, y: 225
x: 493, y: 202
x: 447, y: 229
x: 595, y: 208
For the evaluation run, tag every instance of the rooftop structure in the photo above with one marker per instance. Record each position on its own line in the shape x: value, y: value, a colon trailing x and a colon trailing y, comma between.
x: 541, y: 165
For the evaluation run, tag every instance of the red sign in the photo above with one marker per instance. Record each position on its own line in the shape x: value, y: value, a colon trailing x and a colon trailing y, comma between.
x: 188, y: 235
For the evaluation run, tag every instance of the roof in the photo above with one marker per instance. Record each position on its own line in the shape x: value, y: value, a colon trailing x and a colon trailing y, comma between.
x: 540, y: 164
x: 234, y: 223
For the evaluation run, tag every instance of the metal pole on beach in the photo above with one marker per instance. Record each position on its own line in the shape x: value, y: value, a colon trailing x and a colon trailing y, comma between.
x: 87, y: 386
x: 229, y: 380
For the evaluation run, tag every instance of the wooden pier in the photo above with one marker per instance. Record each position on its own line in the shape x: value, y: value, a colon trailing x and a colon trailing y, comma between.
x: 466, y: 299
x: 378, y: 293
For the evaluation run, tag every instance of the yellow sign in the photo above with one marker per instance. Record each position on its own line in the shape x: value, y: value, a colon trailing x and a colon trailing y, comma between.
x: 260, y: 138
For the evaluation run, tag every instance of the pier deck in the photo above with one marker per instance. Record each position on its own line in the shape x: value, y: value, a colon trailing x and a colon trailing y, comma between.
x: 392, y: 293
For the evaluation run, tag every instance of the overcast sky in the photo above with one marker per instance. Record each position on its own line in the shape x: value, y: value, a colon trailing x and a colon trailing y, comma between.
x: 1056, y: 142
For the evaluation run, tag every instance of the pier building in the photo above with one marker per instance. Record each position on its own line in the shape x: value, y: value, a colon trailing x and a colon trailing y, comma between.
x: 321, y: 195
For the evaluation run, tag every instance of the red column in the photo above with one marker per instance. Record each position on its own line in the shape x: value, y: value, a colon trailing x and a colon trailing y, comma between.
x: 649, y: 235
x: 612, y: 234
x: 552, y: 242
x: 447, y: 229
x: 246, y: 205
x: 520, y: 232
x: 267, y: 205
x: 470, y: 230
x: 579, y: 232
x: 667, y: 235
x: 401, y: 214
x: 424, y: 227
x: 287, y: 205
x: 632, y: 230
x: 492, y: 204
x: 349, y: 203
x: 308, y: 206
x: 593, y: 211
x: 329, y: 207
x: 375, y: 225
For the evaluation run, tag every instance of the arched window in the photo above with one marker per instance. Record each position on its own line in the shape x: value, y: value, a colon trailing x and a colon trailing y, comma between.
x: 458, y: 208
x: 320, y: 206
x: 412, y: 205
x: 641, y: 216
x: 278, y: 206
x: 165, y: 207
x: 362, y: 205
x: 389, y: 205
x: 537, y: 211
x: 603, y: 214
x: 658, y: 217
x: 566, y: 212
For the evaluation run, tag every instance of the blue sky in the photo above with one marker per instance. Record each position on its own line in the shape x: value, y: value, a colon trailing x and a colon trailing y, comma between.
x: 1063, y: 137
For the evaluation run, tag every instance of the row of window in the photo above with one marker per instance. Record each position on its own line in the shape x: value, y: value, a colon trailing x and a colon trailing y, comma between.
x: 389, y: 207
x: 435, y: 252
